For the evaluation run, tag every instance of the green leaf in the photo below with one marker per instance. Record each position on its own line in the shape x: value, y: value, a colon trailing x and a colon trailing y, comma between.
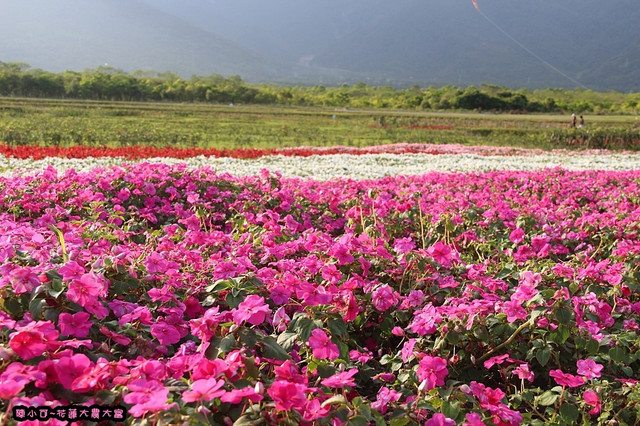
x: 326, y: 370
x: 617, y: 354
x: 563, y: 315
x: 399, y: 421
x: 12, y: 306
x: 304, y: 326
x: 547, y: 398
x: 287, y: 340
x: 105, y: 397
x: 313, y: 364
x: 336, y: 399
x: 53, y: 274
x: 337, y: 326
x: 569, y: 413
x: 218, y: 286
x: 481, y: 333
x: 252, y: 369
x: 234, y: 300
x: 272, y: 349
x: 36, y: 308
x: 400, y: 413
x: 55, y: 288
x: 227, y: 343
x: 451, y: 409
x: 453, y: 337
x: 365, y: 411
x: 244, y: 420
x: 248, y: 337
x: 593, y: 346
x: 543, y: 356
x: 560, y: 334
x: 358, y: 421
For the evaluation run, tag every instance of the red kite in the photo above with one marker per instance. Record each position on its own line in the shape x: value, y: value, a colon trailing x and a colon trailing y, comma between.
x: 475, y: 4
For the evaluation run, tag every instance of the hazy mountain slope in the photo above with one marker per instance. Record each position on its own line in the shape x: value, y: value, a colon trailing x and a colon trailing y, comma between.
x: 517, y: 43
x: 460, y: 46
x: 127, y: 34
x: 440, y: 41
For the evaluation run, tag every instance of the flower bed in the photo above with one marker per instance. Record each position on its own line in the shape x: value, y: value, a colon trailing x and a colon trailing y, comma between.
x: 334, y: 166
x: 145, y: 152
x: 188, y: 296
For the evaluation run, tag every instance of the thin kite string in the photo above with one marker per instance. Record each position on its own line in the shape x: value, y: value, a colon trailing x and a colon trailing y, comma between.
x: 530, y: 51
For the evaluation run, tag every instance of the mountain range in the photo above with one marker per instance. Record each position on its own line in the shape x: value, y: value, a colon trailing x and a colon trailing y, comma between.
x: 516, y: 43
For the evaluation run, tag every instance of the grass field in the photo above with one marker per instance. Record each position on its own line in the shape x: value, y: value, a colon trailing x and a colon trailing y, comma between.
x: 91, y: 123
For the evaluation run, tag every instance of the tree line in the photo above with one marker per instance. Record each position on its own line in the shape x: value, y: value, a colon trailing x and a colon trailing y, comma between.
x: 106, y: 83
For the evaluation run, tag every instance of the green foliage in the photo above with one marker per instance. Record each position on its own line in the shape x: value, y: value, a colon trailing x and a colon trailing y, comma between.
x: 106, y: 83
x: 66, y: 123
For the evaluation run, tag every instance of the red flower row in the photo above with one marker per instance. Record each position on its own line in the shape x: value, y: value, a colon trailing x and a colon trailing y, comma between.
x: 141, y: 151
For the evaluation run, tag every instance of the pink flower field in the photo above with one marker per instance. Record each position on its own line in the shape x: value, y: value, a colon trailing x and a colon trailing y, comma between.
x: 157, y: 294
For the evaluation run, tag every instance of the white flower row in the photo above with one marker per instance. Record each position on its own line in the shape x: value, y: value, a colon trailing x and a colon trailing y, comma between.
x: 368, y: 166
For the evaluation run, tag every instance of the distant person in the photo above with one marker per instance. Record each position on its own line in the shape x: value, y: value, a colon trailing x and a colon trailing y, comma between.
x: 581, y: 123
x: 573, y: 120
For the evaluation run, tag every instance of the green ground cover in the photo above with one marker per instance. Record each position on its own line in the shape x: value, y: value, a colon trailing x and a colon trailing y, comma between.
x: 106, y: 123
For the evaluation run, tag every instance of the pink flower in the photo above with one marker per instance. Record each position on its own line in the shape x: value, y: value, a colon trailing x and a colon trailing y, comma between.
x: 86, y: 290
x: 165, y: 333
x: 439, y: 419
x: 289, y: 371
x: 204, y: 390
x: 441, y: 253
x: 71, y: 271
x: 253, y: 310
x: 16, y: 376
x: 362, y: 357
x: 288, y: 395
x: 323, y: 347
x: 500, y: 359
x: 28, y: 343
x: 407, y: 350
x: 516, y: 236
x: 503, y: 415
x: 524, y: 293
x: 384, y: 297
x: 23, y: 280
x: 34, y: 339
x: 425, y: 320
x: 147, y: 396
x: 589, y: 369
x: 341, y: 380
x: 565, y: 379
x: 331, y: 273
x: 70, y: 368
x: 432, y: 370
x: 206, y: 369
x: 118, y: 338
x: 341, y: 253
x: 488, y: 398
x: 156, y: 263
x: 397, y: 331
x: 403, y: 245
x: 523, y: 372
x: 530, y: 278
x: 592, y: 399
x: 314, y: 410
x: 385, y: 396
x: 473, y: 419
x: 236, y: 396
x: 514, y: 310
x: 77, y: 325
